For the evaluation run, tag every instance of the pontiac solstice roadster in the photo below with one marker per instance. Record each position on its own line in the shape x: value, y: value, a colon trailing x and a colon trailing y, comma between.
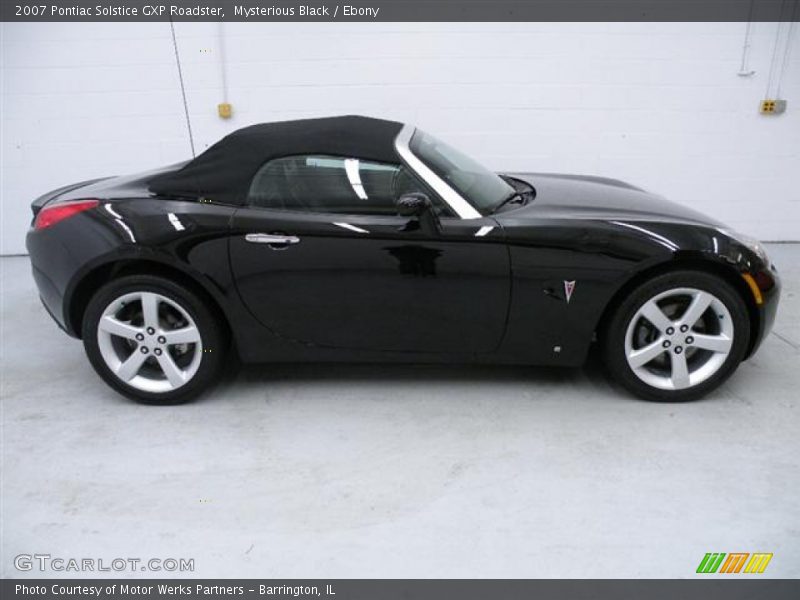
x: 358, y: 239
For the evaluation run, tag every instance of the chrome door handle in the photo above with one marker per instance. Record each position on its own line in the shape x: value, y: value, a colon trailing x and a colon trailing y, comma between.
x: 271, y: 238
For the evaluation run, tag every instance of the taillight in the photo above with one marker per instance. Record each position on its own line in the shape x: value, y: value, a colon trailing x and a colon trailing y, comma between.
x: 50, y: 215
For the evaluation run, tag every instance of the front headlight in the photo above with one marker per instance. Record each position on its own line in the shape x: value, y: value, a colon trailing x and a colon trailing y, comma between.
x: 753, y: 244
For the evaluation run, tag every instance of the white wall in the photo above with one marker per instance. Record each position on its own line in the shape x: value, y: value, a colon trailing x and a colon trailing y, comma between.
x: 660, y: 105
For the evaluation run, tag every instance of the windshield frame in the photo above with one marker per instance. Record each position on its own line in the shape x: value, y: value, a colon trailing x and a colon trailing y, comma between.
x: 451, y: 197
x: 485, y: 190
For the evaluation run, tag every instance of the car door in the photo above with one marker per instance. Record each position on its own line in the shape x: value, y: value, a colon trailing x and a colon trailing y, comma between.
x: 321, y: 256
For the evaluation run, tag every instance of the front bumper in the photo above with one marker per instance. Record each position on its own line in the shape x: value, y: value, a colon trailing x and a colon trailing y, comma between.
x: 769, y: 284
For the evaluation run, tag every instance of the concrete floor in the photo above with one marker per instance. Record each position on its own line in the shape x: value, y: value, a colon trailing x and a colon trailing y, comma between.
x: 371, y: 471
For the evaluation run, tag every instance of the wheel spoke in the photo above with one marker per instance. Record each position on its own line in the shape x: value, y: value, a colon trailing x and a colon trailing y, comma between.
x: 715, y: 343
x: 116, y: 327
x: 131, y: 365
x: 642, y: 356
x: 653, y: 313
x: 171, y: 370
x: 185, y: 335
x: 699, y: 305
x: 150, y: 309
x: 680, y: 371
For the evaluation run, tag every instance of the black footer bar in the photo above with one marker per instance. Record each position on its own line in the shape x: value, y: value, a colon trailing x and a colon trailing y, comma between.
x: 397, y: 589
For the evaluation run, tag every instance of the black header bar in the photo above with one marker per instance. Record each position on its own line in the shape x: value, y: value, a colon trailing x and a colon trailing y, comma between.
x: 399, y: 10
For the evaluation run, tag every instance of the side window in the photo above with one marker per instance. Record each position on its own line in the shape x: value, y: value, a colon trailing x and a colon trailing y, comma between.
x: 330, y: 184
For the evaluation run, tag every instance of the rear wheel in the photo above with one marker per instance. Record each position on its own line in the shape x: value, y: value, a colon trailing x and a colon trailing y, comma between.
x: 677, y: 336
x: 152, y: 340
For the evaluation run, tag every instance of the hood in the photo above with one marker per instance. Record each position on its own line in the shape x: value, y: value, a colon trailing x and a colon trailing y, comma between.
x: 598, y: 198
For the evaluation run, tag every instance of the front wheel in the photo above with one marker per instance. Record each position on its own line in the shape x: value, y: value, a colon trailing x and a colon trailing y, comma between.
x: 152, y: 340
x: 677, y: 336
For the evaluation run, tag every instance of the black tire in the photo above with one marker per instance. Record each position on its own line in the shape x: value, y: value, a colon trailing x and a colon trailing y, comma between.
x: 211, y: 332
x: 613, y: 335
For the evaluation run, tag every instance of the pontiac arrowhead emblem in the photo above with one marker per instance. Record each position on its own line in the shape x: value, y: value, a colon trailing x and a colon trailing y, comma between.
x: 569, y: 287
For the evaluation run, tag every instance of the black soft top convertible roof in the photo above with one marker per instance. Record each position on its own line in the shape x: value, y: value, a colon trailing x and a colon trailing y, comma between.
x: 223, y: 172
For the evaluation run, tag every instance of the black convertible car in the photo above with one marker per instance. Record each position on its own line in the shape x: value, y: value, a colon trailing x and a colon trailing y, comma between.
x: 358, y: 239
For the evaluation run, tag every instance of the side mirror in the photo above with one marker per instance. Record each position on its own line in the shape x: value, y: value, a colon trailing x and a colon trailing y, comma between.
x: 413, y: 204
x: 419, y: 208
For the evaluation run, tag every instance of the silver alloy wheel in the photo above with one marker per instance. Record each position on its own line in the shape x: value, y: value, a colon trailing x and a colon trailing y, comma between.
x: 679, y: 338
x: 149, y: 342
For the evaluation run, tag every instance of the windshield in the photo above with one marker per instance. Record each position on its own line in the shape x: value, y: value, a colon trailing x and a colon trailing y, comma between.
x: 478, y: 185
